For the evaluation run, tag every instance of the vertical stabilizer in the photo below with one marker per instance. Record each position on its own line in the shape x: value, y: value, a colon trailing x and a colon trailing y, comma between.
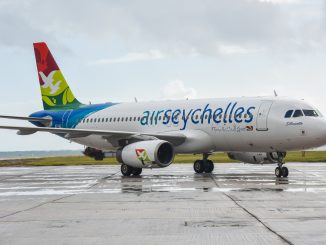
x: 55, y: 91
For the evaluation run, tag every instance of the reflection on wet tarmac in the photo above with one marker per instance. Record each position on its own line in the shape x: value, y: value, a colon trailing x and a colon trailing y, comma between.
x: 176, y: 178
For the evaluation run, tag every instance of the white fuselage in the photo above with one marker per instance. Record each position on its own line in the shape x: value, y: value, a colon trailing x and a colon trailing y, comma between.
x: 230, y: 124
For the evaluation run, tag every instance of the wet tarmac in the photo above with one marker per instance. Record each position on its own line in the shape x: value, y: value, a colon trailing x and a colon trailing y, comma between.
x: 238, y: 204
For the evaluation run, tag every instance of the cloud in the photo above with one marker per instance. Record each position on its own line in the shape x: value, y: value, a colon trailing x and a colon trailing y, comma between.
x: 185, y: 27
x: 153, y: 54
x: 224, y: 49
x: 283, y: 1
x: 177, y: 90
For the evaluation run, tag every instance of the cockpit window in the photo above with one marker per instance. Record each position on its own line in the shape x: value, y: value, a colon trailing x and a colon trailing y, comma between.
x: 288, y: 113
x: 310, y: 113
x: 297, y: 113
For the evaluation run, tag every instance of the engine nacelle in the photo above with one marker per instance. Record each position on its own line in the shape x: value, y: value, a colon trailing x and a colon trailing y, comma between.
x: 257, y: 157
x: 94, y: 153
x: 149, y: 153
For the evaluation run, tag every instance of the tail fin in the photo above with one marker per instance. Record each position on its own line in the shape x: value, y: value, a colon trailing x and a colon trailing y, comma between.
x: 55, y: 91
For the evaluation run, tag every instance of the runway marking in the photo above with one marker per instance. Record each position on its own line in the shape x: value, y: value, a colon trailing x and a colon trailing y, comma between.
x: 252, y: 215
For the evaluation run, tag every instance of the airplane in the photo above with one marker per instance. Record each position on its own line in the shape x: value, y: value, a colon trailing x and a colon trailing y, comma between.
x: 255, y: 130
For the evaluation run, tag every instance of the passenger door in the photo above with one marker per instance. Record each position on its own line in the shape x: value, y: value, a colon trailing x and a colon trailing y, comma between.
x: 262, y: 116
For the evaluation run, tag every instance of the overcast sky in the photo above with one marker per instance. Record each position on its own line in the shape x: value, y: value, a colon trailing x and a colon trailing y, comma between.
x: 153, y: 50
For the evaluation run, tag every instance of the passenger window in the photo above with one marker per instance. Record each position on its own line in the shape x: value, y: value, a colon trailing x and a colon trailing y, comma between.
x: 310, y: 113
x: 138, y: 119
x: 126, y: 119
x: 91, y: 120
x: 297, y: 113
x: 114, y: 119
x: 134, y: 118
x: 110, y: 119
x: 107, y: 119
x: 288, y: 114
x: 102, y: 119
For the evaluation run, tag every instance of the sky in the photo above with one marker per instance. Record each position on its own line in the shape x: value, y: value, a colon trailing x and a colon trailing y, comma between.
x: 160, y: 49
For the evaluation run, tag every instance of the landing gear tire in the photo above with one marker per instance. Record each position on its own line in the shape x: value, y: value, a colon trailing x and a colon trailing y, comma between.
x: 126, y: 170
x: 285, y: 172
x: 199, y: 166
x: 278, y: 172
x: 209, y: 166
x: 281, y: 172
x: 137, y: 171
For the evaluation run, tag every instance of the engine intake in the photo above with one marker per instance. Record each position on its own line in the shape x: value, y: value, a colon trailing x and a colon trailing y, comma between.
x: 150, y: 153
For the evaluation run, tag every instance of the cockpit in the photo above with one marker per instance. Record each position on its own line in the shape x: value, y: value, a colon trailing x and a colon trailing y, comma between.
x: 301, y: 113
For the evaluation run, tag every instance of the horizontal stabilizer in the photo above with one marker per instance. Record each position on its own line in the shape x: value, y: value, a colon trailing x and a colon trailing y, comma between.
x: 31, y: 119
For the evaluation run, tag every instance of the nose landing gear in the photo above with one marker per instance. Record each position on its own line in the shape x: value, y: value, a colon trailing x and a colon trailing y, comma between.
x: 281, y: 172
x: 204, y: 165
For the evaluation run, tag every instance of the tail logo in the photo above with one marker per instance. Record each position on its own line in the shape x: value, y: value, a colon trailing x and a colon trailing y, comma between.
x: 55, y: 91
x: 48, y: 82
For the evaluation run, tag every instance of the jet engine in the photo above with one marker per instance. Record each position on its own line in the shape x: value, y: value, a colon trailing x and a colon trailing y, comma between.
x: 258, y: 157
x: 98, y: 155
x: 149, y: 153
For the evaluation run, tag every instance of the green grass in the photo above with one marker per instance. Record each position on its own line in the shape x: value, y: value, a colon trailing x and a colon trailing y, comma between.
x: 312, y: 156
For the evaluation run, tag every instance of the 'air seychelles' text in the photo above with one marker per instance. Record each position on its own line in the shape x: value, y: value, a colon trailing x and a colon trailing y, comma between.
x: 232, y: 113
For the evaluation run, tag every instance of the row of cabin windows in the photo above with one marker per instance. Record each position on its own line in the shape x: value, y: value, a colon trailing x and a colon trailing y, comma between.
x: 300, y: 113
x: 111, y: 119
x: 130, y: 119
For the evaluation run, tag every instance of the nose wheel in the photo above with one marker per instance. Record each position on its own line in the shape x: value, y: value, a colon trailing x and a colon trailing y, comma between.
x: 281, y: 171
x: 204, y: 165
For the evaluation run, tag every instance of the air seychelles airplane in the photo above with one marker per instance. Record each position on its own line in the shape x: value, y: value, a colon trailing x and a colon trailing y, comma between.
x: 257, y: 130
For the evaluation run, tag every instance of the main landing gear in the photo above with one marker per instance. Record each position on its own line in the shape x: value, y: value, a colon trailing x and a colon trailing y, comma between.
x: 204, y: 165
x: 127, y: 170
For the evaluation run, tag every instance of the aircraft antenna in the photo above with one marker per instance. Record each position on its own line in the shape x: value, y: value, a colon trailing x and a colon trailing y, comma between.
x: 275, y: 94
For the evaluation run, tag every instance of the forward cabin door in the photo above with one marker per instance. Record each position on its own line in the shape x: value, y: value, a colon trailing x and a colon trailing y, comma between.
x: 262, y: 116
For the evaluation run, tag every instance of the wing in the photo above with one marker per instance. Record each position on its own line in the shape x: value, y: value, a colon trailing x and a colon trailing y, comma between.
x: 114, y: 136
